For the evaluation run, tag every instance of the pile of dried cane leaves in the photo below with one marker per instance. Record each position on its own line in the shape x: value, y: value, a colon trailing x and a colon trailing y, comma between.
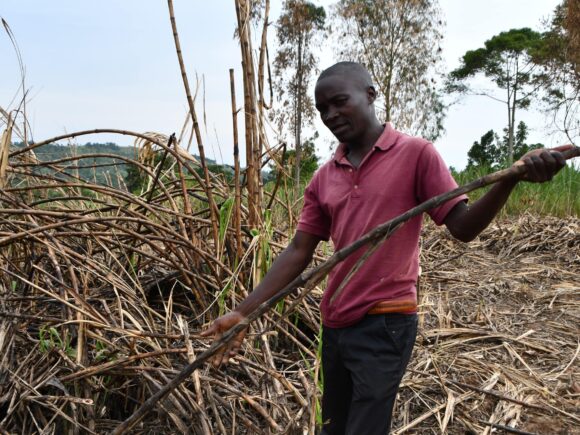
x: 103, y: 294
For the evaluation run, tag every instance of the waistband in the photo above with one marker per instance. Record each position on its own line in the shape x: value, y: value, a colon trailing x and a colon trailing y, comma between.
x: 402, y: 307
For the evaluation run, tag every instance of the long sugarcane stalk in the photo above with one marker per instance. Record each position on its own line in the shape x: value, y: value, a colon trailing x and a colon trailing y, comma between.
x: 312, y: 277
x: 213, y: 211
x: 237, y: 187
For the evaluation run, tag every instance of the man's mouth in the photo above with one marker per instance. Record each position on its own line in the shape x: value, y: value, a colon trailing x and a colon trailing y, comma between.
x: 338, y: 129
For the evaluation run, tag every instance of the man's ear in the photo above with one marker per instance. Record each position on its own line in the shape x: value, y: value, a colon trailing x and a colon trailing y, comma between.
x: 371, y: 94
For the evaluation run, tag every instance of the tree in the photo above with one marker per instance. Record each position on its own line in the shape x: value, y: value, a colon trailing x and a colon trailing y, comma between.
x: 493, y: 153
x: 559, y: 58
x: 399, y: 43
x: 299, y: 25
x: 485, y: 152
x: 507, y: 60
x: 308, y: 162
x: 520, y: 145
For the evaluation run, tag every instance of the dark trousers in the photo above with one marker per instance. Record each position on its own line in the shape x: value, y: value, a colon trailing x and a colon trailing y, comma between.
x: 362, y: 367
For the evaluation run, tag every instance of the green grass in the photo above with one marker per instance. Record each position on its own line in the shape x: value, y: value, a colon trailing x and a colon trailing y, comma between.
x: 50, y: 339
x: 559, y: 197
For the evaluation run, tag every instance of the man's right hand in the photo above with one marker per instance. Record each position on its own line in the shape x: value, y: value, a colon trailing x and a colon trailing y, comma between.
x: 220, y: 326
x: 289, y: 264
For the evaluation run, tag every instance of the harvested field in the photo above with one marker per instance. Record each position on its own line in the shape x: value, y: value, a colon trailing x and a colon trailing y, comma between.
x: 500, y: 314
x: 104, y: 294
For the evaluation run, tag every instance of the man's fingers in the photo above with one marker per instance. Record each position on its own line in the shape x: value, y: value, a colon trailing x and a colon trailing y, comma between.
x: 224, y: 358
x: 227, y: 353
x: 546, y: 166
x: 543, y: 165
x: 236, y: 343
x: 532, y: 170
x: 562, y: 147
x: 549, y: 166
x: 552, y: 161
x: 218, y: 328
x: 217, y: 359
x: 209, y: 331
x: 559, y: 157
x: 229, y: 350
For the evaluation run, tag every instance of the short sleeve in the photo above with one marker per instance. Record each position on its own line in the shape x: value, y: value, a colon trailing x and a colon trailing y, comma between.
x: 434, y: 178
x: 313, y: 220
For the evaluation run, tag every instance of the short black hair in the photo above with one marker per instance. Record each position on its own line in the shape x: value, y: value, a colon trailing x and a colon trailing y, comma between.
x: 352, y: 69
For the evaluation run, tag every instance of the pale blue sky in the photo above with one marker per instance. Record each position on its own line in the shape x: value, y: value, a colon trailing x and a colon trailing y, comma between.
x: 112, y: 64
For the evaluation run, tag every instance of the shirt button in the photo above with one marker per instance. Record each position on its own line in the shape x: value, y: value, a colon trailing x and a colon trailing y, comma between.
x: 350, y: 170
x: 382, y: 279
x: 356, y: 186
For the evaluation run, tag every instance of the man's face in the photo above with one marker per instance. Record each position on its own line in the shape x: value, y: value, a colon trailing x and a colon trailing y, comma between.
x: 345, y: 106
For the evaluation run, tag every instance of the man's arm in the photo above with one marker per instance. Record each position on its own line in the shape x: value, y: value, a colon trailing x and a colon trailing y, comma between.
x: 466, y: 222
x: 287, y: 266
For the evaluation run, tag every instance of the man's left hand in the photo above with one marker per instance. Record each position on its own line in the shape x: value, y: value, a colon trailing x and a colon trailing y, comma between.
x: 542, y: 164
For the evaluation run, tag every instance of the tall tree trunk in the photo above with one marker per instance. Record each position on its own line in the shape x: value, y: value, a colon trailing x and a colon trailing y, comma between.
x: 510, y: 143
x: 512, y: 117
x: 512, y: 123
x: 388, y: 95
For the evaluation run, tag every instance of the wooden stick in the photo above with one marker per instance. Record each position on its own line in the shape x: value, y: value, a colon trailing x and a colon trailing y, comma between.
x: 312, y: 277
x: 506, y: 428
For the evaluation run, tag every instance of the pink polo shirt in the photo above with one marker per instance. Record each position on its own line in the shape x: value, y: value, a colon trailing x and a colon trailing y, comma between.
x: 343, y: 203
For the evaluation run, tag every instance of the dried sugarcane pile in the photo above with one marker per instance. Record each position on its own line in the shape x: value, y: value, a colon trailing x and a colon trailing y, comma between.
x: 101, y: 288
x: 500, y: 314
x: 103, y: 294
x: 104, y: 291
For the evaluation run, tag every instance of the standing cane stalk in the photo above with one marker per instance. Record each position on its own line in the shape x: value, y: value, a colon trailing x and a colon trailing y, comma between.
x: 213, y: 212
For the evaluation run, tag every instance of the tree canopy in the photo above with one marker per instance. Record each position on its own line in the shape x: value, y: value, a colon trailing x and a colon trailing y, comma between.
x: 299, y: 25
x: 492, y: 152
x: 559, y: 58
x: 399, y: 42
x: 483, y: 153
x: 506, y: 59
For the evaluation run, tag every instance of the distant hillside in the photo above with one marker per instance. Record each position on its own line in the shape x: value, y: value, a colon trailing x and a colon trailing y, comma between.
x: 107, y: 167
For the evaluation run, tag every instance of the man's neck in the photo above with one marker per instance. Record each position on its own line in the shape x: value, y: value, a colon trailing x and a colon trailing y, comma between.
x: 359, y: 149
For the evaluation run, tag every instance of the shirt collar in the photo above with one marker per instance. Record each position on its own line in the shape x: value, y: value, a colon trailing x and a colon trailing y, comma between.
x: 385, y: 142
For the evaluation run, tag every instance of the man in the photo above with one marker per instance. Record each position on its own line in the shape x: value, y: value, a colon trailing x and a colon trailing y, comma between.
x: 377, y: 173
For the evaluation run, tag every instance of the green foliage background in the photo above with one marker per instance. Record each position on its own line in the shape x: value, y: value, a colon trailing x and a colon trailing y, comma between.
x: 559, y: 197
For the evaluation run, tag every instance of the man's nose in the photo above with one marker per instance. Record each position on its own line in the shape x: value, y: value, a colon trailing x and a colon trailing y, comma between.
x: 330, y: 114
